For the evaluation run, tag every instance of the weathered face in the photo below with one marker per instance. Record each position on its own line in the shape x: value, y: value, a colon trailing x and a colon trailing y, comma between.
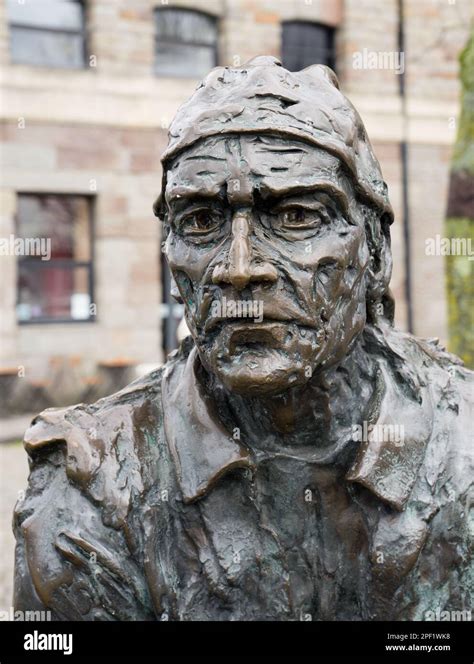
x: 269, y: 255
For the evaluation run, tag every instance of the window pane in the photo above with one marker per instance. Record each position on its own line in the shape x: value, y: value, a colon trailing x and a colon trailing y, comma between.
x: 46, y: 49
x: 51, y: 284
x: 305, y: 44
x: 56, y: 14
x: 185, y: 43
x: 52, y: 292
x: 64, y: 220
x: 185, y: 26
x: 182, y: 60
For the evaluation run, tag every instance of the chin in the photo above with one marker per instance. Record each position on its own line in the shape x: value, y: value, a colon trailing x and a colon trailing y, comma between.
x: 263, y: 359
x: 259, y: 372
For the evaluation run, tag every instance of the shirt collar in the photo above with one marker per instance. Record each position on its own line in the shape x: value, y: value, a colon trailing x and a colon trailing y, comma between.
x: 203, y: 450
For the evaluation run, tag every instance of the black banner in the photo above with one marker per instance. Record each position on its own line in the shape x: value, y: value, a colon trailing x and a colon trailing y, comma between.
x: 140, y: 641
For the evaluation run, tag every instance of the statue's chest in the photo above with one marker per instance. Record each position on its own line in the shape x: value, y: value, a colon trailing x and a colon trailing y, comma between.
x: 284, y: 543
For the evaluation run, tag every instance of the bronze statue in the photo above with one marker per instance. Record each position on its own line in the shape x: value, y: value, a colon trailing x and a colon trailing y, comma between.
x: 297, y: 458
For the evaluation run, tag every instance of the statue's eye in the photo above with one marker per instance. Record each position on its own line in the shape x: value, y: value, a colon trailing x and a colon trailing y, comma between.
x: 200, y: 222
x: 294, y: 216
x: 298, y: 218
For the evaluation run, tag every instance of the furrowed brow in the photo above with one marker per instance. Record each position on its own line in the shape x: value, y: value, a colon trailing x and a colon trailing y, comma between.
x: 204, y: 157
x: 188, y: 195
x: 326, y: 187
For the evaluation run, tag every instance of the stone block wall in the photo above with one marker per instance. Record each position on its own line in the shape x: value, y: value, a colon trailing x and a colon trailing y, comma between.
x: 119, y: 168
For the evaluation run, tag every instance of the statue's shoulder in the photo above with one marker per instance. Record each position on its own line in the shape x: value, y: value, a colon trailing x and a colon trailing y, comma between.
x: 105, y: 449
x: 445, y: 377
x: 96, y: 436
x: 437, y: 391
x: 450, y: 381
x: 93, y: 474
x: 447, y: 385
x: 420, y: 361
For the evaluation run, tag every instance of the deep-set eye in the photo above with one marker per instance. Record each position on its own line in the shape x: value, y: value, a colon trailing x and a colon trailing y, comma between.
x: 293, y: 216
x: 298, y: 218
x: 200, y: 222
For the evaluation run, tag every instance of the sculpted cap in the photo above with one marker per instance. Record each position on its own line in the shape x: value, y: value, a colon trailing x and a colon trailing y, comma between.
x: 264, y: 97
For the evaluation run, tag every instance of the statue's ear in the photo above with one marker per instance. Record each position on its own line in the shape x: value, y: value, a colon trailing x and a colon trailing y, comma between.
x: 174, y: 291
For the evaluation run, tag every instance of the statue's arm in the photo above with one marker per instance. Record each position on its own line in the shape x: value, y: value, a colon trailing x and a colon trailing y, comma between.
x: 33, y: 526
x: 72, y: 553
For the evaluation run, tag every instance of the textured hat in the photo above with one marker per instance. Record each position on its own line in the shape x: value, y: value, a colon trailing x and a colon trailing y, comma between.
x: 264, y: 97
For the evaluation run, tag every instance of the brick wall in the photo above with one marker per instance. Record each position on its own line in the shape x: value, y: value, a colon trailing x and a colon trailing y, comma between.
x: 122, y: 164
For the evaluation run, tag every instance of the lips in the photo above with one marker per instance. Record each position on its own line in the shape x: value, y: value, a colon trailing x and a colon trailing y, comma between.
x: 223, y: 321
x: 238, y: 335
x: 272, y: 311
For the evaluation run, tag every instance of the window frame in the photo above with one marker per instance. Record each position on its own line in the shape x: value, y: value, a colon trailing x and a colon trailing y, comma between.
x: 317, y: 24
x: 188, y: 10
x: 67, y: 263
x: 83, y: 33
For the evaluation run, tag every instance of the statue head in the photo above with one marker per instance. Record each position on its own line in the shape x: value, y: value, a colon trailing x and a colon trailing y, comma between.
x: 276, y: 223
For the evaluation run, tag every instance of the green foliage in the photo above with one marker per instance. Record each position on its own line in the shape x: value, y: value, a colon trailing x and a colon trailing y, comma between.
x: 460, y: 285
x: 464, y: 150
x: 459, y: 269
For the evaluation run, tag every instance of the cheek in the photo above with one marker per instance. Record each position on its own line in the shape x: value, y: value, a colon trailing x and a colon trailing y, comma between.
x: 193, y: 259
x: 186, y: 260
x: 184, y: 268
x: 353, y: 267
x: 340, y: 245
x: 191, y: 268
x: 337, y: 265
x: 341, y: 290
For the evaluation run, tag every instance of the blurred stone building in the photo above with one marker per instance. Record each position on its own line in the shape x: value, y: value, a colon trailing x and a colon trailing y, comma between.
x: 88, y: 89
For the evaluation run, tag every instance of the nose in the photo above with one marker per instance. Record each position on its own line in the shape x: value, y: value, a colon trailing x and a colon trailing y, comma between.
x: 239, y: 269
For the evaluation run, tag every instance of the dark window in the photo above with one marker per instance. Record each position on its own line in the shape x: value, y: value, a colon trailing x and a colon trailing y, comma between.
x: 47, y: 33
x: 171, y: 312
x: 55, y: 272
x: 186, y: 42
x: 305, y: 44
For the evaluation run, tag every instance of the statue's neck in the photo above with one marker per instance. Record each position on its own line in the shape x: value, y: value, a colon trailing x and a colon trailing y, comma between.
x: 314, y: 415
